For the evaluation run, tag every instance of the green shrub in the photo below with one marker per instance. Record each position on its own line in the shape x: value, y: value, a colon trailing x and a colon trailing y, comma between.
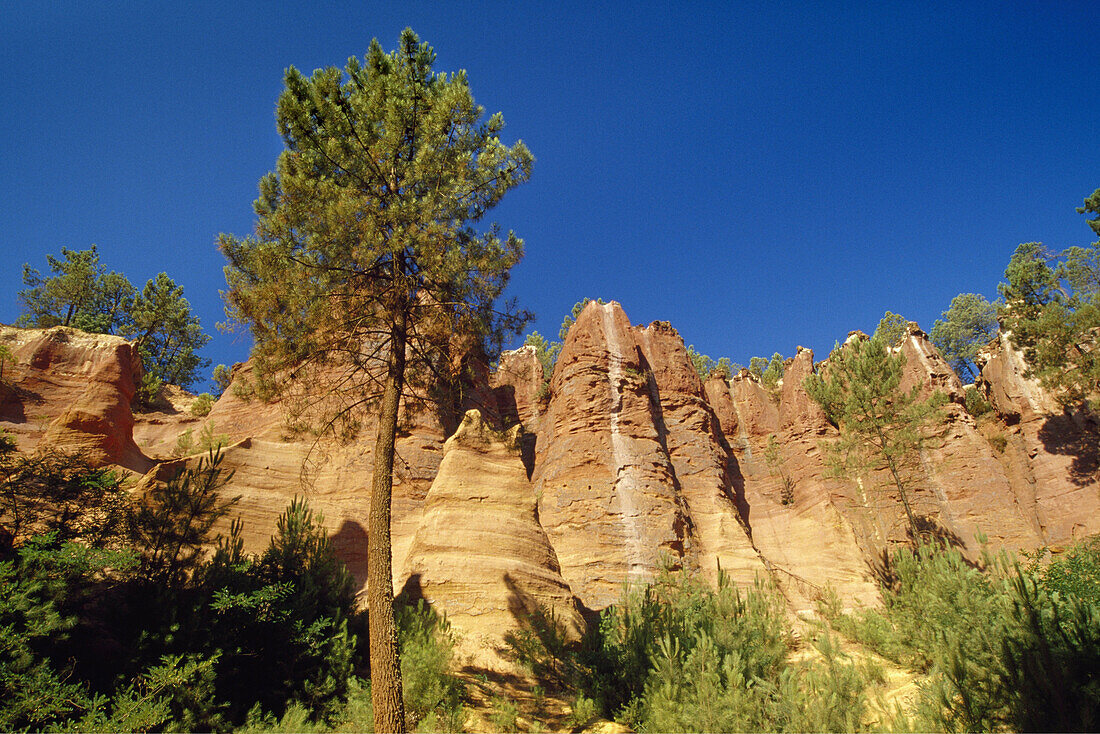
x: 202, y: 405
x: 504, y: 715
x: 1004, y: 649
x: 432, y: 693
x: 1074, y: 573
x: 975, y: 402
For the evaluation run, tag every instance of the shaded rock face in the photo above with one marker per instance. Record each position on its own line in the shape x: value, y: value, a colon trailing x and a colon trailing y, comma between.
x: 799, y: 515
x: 517, y: 383
x: 480, y: 554
x: 1050, y: 453
x: 72, y: 391
x: 706, y: 474
x: 609, y: 499
x: 270, y: 465
x: 963, y: 491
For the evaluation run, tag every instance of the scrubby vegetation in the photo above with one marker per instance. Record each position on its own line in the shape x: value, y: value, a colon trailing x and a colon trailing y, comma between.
x: 996, y: 646
x: 1004, y: 648
x: 114, y: 616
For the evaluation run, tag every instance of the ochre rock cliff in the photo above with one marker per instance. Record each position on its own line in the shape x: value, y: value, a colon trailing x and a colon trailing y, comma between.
x: 608, y: 498
x: 1050, y: 453
x: 480, y: 553
x: 72, y: 391
x: 625, y: 461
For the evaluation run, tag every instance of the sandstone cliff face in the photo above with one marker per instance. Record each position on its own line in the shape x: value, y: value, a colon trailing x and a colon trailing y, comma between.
x: 516, y: 384
x: 800, y: 517
x: 705, y: 472
x: 637, y: 462
x: 72, y: 391
x: 964, y: 490
x: 608, y: 497
x: 1051, y: 454
x: 480, y: 553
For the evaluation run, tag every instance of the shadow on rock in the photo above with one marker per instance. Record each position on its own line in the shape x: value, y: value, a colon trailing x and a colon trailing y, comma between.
x: 1076, y: 436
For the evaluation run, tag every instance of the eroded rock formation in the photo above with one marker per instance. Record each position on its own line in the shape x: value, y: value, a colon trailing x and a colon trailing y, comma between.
x: 625, y: 461
x: 480, y: 552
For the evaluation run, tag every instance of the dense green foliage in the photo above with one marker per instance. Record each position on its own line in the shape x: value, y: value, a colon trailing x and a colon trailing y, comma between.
x: 704, y: 365
x: 891, y: 329
x: 768, y: 371
x: 1004, y: 649
x: 969, y: 324
x: 112, y: 618
x: 881, y: 426
x: 368, y: 276
x: 6, y: 358
x: 82, y: 294
x: 677, y: 655
x: 168, y: 335
x: 1052, y: 311
x: 222, y: 377
x: 545, y: 351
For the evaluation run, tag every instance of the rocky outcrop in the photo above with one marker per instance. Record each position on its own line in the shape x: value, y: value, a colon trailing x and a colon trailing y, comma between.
x: 800, y: 515
x: 72, y: 391
x: 963, y: 491
x: 518, y: 385
x: 480, y: 554
x: 1050, y: 453
x: 625, y: 462
x: 608, y: 494
x: 706, y: 474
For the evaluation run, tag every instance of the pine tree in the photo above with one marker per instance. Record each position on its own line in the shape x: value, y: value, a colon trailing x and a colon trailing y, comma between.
x: 880, y: 424
x: 168, y: 335
x: 967, y: 325
x: 1052, y: 312
x: 80, y: 293
x: 366, y: 265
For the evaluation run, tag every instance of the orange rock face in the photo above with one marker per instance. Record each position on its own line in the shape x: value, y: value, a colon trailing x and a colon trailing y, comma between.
x: 705, y: 473
x: 799, y: 515
x: 631, y: 461
x: 1050, y: 453
x: 480, y: 554
x: 72, y: 390
x: 606, y: 484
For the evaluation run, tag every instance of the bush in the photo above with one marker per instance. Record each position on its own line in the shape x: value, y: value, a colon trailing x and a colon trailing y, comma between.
x: 433, y: 696
x: 202, y: 405
x: 1004, y: 649
x: 976, y: 404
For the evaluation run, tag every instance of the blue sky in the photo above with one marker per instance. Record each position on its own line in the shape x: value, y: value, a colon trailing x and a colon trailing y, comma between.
x: 763, y: 175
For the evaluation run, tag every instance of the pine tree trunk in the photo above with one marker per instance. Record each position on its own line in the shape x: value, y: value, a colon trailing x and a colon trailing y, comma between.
x: 385, y: 665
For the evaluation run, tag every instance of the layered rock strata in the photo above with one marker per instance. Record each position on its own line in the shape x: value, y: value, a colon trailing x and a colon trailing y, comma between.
x: 1052, y: 453
x: 706, y: 474
x: 480, y: 553
x: 609, y: 499
x: 72, y: 391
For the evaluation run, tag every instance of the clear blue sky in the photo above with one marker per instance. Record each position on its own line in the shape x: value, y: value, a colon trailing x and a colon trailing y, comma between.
x: 761, y: 174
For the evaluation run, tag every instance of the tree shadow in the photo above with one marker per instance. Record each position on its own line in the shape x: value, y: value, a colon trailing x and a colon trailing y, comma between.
x: 1074, y: 435
x: 930, y: 530
x: 350, y: 544
x: 13, y: 399
x: 541, y: 642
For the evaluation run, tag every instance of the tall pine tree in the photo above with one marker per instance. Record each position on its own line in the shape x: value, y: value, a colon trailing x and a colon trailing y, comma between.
x: 366, y: 264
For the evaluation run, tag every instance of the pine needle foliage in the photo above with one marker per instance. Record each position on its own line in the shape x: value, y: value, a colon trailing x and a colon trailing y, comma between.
x: 1052, y: 312
x: 366, y: 275
x: 881, y: 425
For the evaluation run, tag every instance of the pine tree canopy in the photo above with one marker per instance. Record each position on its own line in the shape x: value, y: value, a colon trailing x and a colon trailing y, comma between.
x: 366, y: 267
x: 967, y: 325
x: 1052, y: 313
x: 370, y: 213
